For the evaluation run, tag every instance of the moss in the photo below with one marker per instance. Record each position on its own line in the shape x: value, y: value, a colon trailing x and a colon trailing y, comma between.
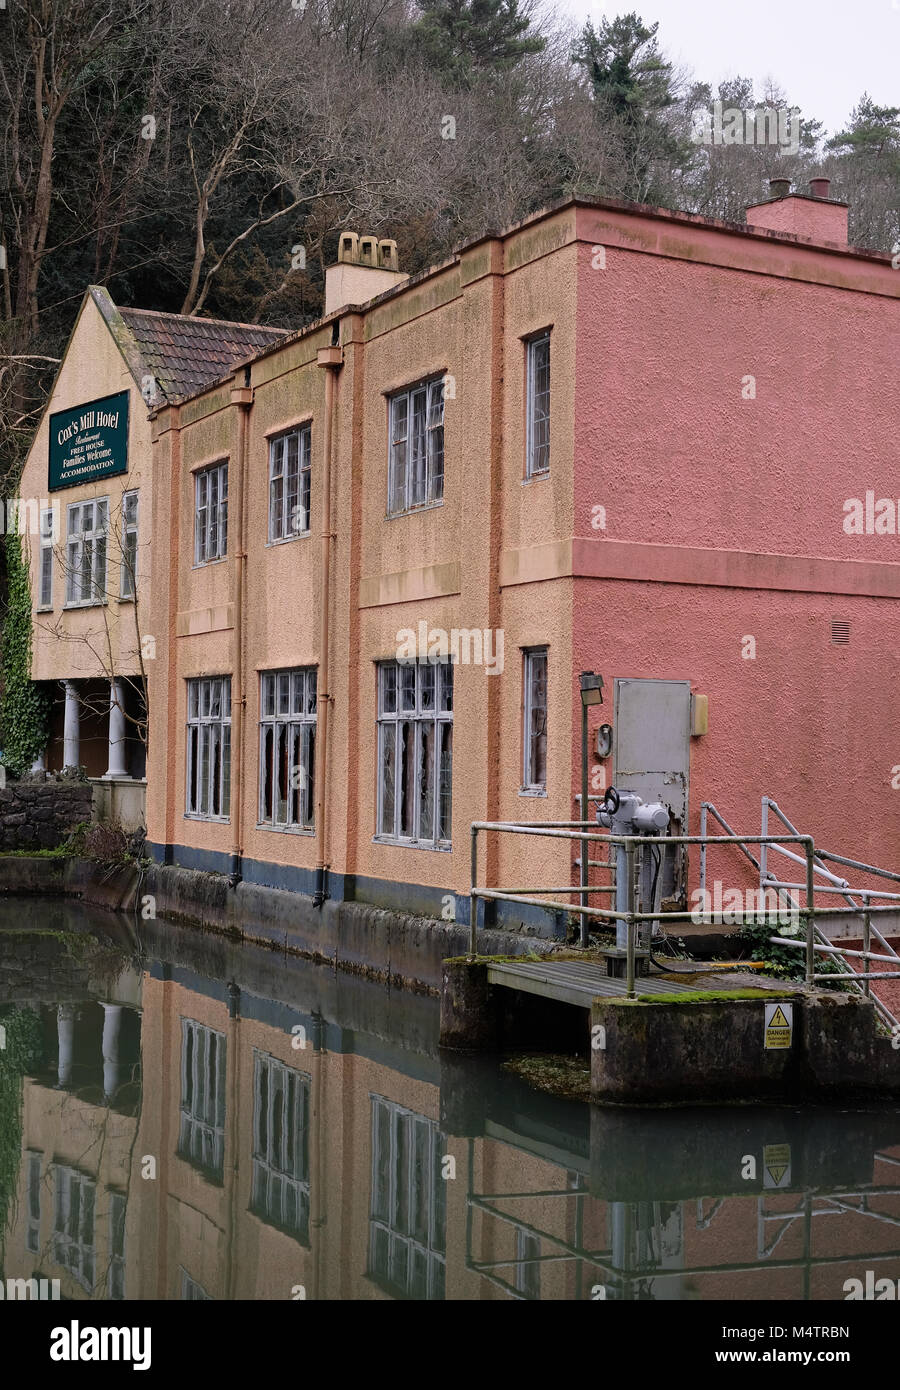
x: 706, y: 996
x: 560, y: 1075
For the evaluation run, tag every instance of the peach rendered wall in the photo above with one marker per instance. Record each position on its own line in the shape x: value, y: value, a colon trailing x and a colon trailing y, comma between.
x: 724, y: 503
x: 76, y: 642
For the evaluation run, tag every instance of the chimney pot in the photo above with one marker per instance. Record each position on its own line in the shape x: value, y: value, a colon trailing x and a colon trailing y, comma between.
x: 819, y: 187
x: 779, y: 188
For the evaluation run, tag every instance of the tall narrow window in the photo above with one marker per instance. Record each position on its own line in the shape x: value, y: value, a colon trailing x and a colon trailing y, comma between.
x: 87, y: 527
x: 287, y: 748
x: 280, y: 1181
x: 407, y: 1221
x: 289, y: 484
x: 73, y: 1230
x: 209, y: 748
x: 128, y: 579
x: 211, y: 514
x: 534, y: 777
x: 33, y: 1225
x: 538, y: 406
x: 201, y: 1138
x: 416, y: 470
x: 415, y: 752
x: 46, y: 577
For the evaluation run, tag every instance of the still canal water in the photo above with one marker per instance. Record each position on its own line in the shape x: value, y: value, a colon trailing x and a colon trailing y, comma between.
x: 187, y: 1118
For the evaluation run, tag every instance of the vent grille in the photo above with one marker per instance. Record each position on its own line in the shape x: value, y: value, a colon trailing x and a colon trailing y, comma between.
x: 840, y: 632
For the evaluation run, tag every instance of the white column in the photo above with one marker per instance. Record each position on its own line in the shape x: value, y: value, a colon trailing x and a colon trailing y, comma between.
x: 65, y: 1033
x: 71, y: 749
x: 111, y: 1023
x: 117, y: 766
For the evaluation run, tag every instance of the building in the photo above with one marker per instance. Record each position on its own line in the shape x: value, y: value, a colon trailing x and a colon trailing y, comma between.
x: 381, y: 549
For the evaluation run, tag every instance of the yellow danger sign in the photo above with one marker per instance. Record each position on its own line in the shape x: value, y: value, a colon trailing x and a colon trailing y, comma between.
x: 779, y: 1025
x: 777, y: 1165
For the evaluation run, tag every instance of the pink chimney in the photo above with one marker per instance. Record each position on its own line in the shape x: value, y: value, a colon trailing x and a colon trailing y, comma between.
x: 813, y: 216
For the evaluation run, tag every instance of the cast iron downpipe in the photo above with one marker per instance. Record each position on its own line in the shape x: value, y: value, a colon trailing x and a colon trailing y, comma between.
x: 332, y: 360
x: 242, y: 398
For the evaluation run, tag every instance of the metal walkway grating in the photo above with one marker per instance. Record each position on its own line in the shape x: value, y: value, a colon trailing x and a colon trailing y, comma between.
x: 577, y: 982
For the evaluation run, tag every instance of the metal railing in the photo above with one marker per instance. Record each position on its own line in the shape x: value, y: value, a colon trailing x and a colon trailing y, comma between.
x: 636, y: 845
x: 859, y: 900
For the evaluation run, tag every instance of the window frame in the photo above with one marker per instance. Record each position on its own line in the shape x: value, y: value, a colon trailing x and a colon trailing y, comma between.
x: 531, y: 787
x: 212, y: 525
x: 77, y: 542
x: 300, y: 715
x: 432, y: 477
x: 45, y: 570
x: 532, y: 343
x: 280, y: 1145
x: 128, y: 574
x: 194, y: 755
x: 203, y: 1109
x: 407, y: 1201
x: 418, y: 715
x: 279, y: 442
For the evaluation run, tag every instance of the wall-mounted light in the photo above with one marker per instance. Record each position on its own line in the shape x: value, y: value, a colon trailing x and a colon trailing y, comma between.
x: 591, y: 688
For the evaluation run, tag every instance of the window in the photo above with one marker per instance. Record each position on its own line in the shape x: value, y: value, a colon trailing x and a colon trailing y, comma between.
x: 115, y: 1277
x: 527, y: 1267
x: 46, y: 578
x: 538, y: 406
x: 33, y: 1222
x: 415, y: 751
x: 408, y: 1207
x: 201, y: 1138
x: 534, y: 776
x: 211, y: 519
x: 287, y: 748
x: 416, y: 473
x: 289, y: 484
x: 88, y: 523
x: 280, y: 1192
x: 73, y: 1235
x: 128, y: 580
x: 209, y: 748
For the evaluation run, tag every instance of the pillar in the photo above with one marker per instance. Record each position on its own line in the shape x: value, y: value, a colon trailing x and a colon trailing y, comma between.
x: 71, y: 734
x: 112, y: 1022
x: 65, y: 1033
x: 116, y: 766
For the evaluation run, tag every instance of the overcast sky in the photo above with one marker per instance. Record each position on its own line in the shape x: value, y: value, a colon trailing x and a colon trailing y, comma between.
x: 823, y: 54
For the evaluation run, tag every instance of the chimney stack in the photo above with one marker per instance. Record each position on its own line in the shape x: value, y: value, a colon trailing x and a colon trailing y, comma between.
x: 365, y: 267
x: 811, y: 216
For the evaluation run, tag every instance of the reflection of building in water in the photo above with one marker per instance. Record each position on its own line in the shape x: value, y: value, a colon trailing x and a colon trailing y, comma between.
x: 276, y: 1155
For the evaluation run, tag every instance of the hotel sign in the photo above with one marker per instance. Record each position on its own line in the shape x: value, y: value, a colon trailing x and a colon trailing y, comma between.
x: 89, y: 442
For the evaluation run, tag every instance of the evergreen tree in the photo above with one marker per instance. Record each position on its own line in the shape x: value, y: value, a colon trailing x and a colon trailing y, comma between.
x: 463, y: 39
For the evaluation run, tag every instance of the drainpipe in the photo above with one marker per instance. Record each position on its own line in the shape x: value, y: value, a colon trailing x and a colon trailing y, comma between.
x: 242, y: 397
x: 332, y: 359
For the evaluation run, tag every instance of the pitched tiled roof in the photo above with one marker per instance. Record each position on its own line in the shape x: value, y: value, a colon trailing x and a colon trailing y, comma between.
x: 187, y: 354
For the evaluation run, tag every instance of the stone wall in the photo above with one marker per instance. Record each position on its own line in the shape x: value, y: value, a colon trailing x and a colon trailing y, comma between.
x: 41, y: 815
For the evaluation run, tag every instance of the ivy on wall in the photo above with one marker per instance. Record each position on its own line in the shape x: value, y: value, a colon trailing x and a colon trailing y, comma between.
x: 24, y: 706
x: 21, y: 1053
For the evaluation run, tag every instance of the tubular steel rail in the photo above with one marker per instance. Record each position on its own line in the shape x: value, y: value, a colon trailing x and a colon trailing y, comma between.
x: 812, y: 941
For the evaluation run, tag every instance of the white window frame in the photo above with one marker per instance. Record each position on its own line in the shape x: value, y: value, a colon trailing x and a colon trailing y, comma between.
x: 537, y: 407
x: 74, y: 1224
x: 45, y: 577
x: 211, y: 514
x: 416, y: 464
x: 128, y: 571
x: 208, y: 733
x: 290, y: 484
x: 87, y: 552
x: 201, y: 1136
x: 279, y: 1192
x: 287, y: 716
x: 531, y: 785
x: 33, y: 1194
x: 415, y: 698
x: 398, y: 1249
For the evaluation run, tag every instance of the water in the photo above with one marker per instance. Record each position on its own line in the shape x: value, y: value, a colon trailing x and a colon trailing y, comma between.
x: 185, y: 1118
